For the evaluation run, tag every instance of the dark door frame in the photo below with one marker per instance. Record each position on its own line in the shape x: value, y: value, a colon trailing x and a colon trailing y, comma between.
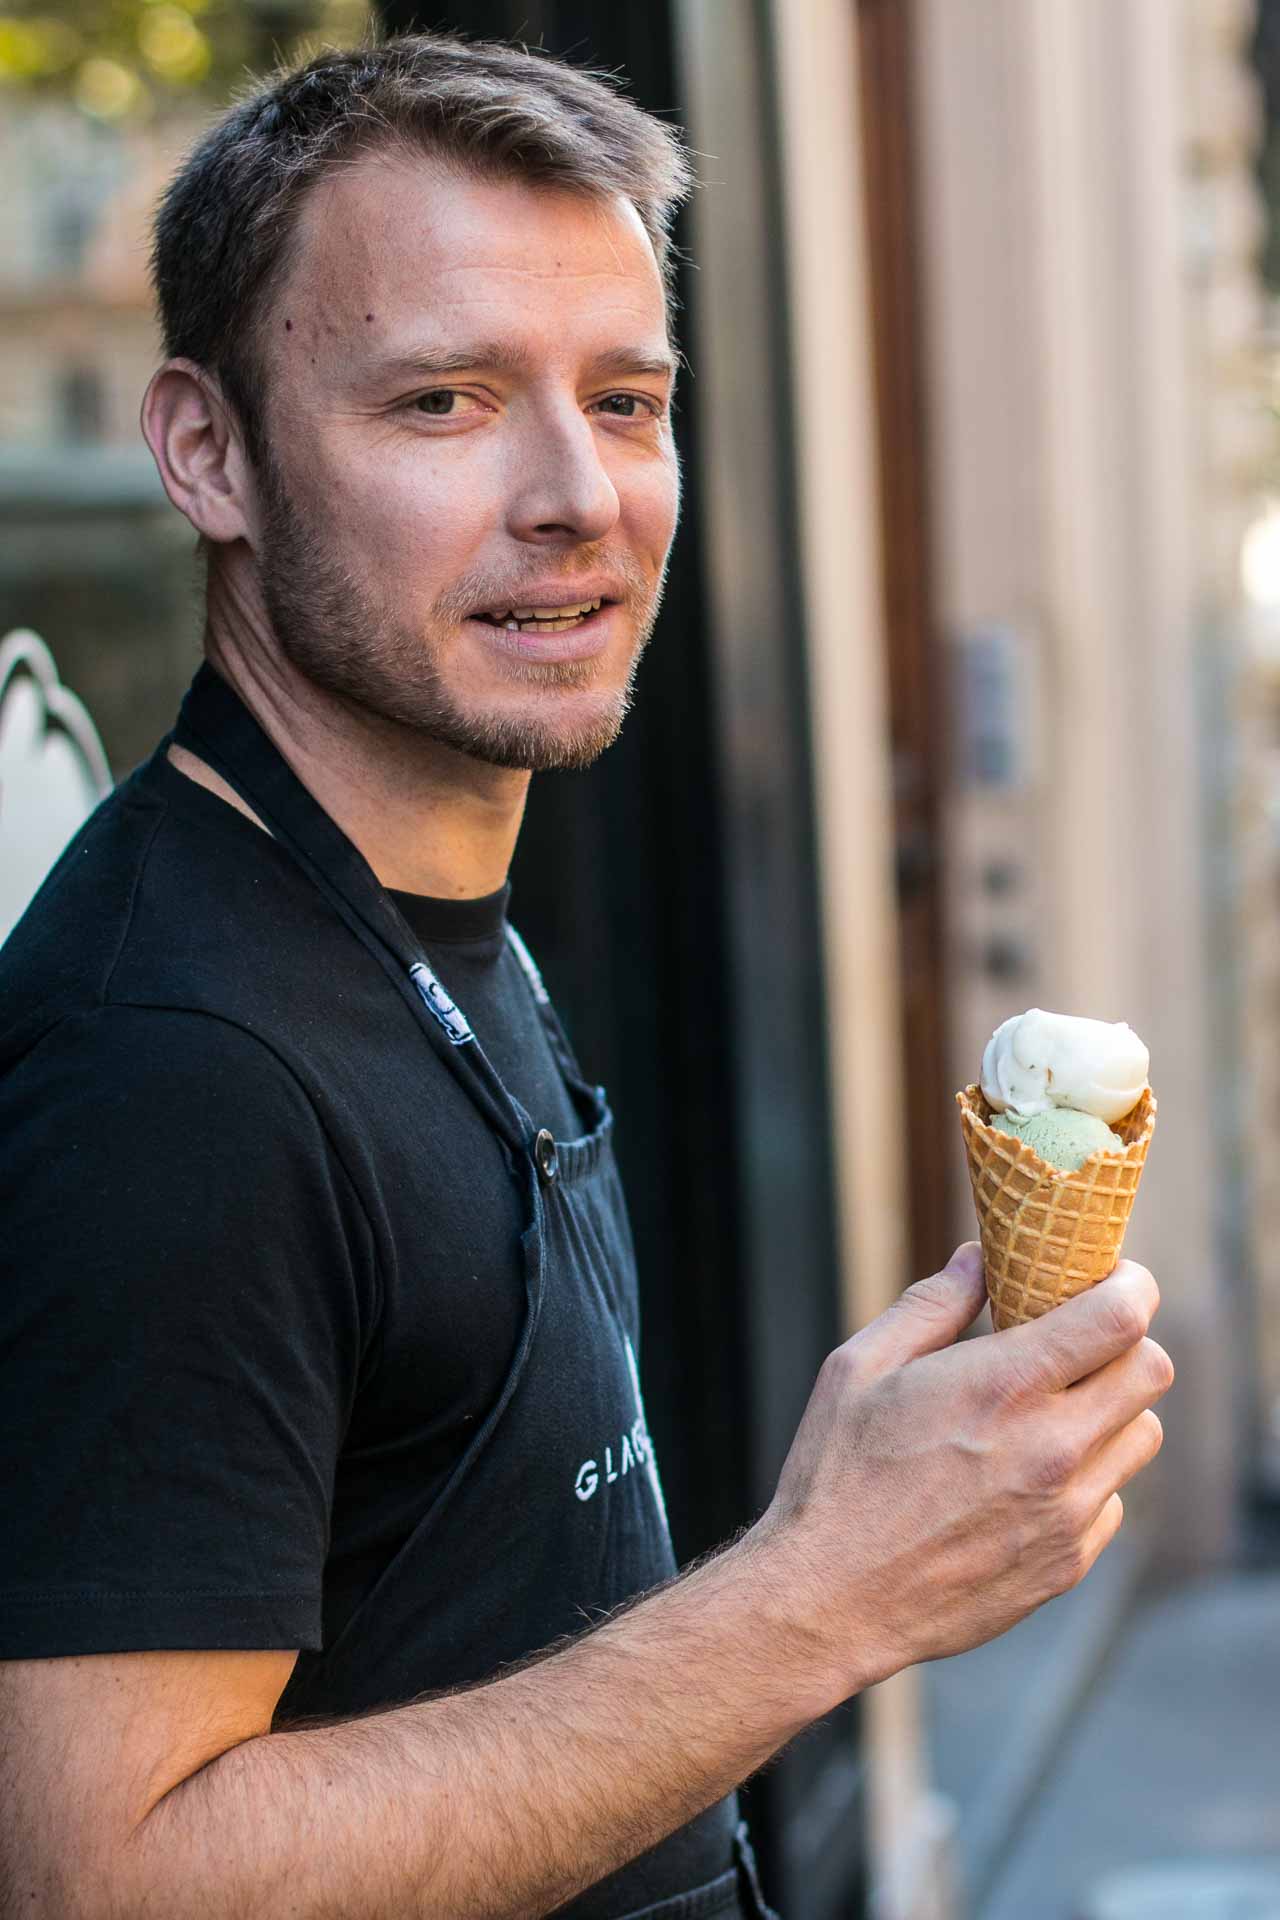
x: 915, y: 665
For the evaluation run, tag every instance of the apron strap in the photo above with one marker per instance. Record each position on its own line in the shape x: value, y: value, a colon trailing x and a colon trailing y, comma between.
x: 214, y: 723
x: 753, y: 1899
x: 565, y: 1057
x: 530, y: 966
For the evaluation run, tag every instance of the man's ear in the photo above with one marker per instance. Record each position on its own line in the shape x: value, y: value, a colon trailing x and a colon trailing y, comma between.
x: 196, y: 444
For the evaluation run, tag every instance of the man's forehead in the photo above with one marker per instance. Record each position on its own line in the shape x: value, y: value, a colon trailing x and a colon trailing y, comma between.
x: 410, y: 224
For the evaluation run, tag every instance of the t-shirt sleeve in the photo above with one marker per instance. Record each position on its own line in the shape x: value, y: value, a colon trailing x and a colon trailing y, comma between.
x: 185, y: 1300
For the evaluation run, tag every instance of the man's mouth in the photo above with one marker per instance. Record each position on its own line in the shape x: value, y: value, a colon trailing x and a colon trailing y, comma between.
x: 541, y: 619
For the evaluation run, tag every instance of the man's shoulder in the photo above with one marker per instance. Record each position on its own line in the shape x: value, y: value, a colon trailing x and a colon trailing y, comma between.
x: 58, y: 958
x: 163, y: 900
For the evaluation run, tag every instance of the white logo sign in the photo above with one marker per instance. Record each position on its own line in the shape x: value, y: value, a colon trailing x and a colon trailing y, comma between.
x: 634, y: 1450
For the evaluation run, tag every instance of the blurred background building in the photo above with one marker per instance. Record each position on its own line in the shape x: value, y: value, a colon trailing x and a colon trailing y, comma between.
x: 966, y: 698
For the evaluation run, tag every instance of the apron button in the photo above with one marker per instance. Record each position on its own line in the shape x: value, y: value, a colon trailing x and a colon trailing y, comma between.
x: 544, y: 1152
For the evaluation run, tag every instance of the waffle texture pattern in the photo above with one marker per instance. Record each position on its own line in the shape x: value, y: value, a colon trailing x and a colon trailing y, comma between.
x: 1048, y: 1234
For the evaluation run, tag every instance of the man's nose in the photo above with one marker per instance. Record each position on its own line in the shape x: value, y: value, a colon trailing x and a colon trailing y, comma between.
x: 561, y: 492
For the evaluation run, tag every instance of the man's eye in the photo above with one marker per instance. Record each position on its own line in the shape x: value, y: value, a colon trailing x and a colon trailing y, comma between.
x: 626, y: 406
x: 440, y: 402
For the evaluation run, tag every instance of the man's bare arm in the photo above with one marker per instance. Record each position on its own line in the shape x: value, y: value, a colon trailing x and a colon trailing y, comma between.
x: 506, y: 1799
x: 133, y: 1786
x: 934, y: 1495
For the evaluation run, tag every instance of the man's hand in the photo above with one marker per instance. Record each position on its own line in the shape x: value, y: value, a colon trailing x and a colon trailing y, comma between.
x: 935, y: 1493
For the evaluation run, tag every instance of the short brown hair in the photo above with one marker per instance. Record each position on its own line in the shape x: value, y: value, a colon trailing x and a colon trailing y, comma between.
x: 227, y: 223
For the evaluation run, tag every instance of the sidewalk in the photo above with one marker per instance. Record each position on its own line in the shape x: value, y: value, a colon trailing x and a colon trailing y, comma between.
x: 1173, y: 1758
x: 1121, y: 1728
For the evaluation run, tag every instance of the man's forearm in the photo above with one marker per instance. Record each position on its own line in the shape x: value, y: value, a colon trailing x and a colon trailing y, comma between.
x: 503, y: 1801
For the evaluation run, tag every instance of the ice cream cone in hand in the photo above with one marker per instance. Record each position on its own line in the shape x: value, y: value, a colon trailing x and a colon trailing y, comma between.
x: 1056, y: 1135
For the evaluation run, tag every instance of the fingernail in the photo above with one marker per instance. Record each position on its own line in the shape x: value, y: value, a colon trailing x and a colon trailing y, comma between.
x: 966, y: 1260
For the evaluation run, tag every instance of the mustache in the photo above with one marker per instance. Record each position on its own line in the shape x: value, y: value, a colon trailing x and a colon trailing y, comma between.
x: 475, y: 591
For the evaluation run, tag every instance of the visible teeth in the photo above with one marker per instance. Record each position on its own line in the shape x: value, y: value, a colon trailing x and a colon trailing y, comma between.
x: 513, y: 617
x: 554, y: 613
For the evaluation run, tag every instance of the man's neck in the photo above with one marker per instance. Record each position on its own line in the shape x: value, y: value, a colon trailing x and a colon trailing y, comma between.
x: 428, y: 819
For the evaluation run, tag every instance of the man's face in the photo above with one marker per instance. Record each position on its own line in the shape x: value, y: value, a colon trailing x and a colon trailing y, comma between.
x: 468, y: 387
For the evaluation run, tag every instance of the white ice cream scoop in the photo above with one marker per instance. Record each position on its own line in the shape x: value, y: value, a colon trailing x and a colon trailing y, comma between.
x: 1039, y: 1060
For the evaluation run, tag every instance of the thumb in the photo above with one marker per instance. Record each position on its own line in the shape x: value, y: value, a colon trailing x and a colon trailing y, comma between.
x: 927, y: 1317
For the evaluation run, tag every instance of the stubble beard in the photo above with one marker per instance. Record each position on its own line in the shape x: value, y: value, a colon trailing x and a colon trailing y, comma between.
x: 330, y: 631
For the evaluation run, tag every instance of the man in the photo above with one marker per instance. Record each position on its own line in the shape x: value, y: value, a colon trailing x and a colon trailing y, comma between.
x: 321, y: 1313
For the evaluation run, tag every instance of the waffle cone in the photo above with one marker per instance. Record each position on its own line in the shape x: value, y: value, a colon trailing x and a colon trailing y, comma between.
x: 1047, y: 1234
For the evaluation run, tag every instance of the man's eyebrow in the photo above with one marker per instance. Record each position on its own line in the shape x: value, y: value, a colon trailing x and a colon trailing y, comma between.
x: 503, y: 356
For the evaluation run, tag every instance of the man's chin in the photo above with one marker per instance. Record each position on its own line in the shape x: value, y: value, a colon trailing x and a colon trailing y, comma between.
x: 562, y: 729
x: 559, y: 733
x: 542, y: 746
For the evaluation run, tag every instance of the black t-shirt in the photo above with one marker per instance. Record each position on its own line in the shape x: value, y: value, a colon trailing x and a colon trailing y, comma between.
x: 266, y: 1285
x: 244, y: 1339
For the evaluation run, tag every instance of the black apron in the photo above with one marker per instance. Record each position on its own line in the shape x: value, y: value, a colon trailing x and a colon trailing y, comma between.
x: 580, y: 1295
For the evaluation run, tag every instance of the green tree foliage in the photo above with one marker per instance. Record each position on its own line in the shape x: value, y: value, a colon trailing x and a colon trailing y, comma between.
x: 129, y: 59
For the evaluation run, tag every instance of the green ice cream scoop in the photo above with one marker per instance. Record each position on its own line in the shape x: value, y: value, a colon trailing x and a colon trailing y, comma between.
x: 1062, y: 1136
